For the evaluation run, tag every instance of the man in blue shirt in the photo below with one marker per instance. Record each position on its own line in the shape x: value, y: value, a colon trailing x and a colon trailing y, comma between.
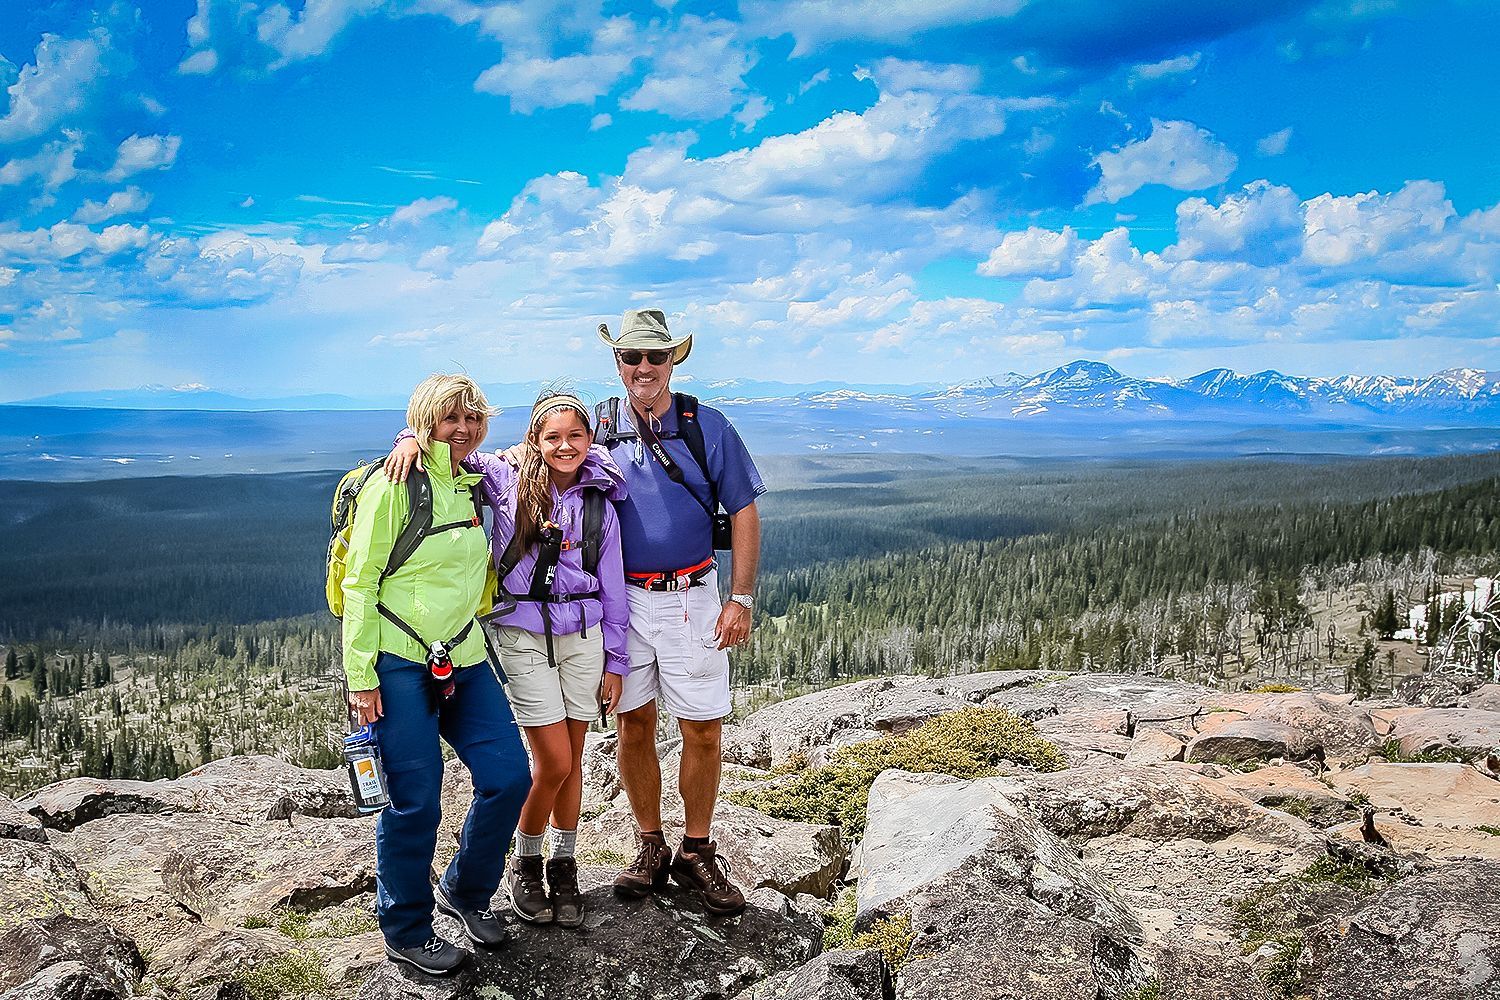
x: 680, y: 633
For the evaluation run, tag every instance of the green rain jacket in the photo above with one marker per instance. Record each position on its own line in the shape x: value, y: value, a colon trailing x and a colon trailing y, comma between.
x: 436, y: 591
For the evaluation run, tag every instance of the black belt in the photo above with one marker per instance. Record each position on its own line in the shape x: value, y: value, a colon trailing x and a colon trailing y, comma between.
x: 672, y: 580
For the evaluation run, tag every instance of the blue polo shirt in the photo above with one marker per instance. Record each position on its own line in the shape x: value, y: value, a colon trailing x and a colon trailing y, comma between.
x: 662, y: 526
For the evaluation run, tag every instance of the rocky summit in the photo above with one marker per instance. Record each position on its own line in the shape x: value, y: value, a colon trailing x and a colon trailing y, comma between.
x: 1011, y: 834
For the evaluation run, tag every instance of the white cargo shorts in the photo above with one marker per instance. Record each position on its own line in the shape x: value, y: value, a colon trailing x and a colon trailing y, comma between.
x: 541, y: 694
x: 674, y: 655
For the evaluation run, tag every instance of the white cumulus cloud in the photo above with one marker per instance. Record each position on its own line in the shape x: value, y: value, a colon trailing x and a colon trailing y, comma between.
x: 140, y: 153
x: 1033, y: 253
x: 422, y: 208
x: 1274, y: 144
x: 55, y: 86
x: 131, y: 201
x: 1177, y: 154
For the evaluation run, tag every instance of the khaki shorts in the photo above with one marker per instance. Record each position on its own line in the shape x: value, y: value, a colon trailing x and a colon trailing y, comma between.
x: 541, y: 694
x: 673, y: 653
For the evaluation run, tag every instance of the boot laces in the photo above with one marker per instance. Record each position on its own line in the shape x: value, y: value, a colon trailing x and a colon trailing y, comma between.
x: 644, y: 857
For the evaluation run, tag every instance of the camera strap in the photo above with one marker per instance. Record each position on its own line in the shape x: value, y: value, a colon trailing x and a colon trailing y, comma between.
x: 658, y: 451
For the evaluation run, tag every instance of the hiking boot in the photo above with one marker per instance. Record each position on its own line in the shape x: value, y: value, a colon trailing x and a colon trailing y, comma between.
x: 567, y: 901
x: 647, y: 872
x: 480, y: 926
x: 706, y: 875
x: 528, y: 893
x: 437, y: 957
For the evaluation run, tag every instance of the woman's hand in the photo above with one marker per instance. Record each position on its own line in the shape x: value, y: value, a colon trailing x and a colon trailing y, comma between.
x: 609, y: 692
x: 366, y: 705
x: 399, y: 462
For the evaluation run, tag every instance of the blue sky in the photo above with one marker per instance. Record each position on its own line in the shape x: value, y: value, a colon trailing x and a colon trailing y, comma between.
x: 273, y: 197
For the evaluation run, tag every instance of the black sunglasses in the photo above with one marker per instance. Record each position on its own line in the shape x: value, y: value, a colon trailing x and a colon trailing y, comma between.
x: 634, y: 357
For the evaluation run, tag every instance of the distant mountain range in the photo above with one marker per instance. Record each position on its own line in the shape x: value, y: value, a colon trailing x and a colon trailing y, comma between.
x: 1084, y: 409
x: 1077, y: 388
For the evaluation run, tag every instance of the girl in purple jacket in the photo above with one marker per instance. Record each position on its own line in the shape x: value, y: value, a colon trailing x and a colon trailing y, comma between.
x: 563, y: 649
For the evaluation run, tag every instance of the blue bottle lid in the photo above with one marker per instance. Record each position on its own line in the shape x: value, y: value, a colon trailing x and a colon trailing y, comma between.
x: 361, y: 735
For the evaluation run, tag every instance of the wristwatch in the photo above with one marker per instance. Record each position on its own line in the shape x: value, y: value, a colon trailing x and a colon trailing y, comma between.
x: 743, y: 600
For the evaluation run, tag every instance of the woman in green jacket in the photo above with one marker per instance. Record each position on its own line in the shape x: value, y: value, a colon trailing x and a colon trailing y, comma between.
x: 398, y: 631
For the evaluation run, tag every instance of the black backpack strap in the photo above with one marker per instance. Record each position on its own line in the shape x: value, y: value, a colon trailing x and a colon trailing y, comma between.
x: 607, y: 422
x: 593, y: 528
x: 691, y: 433
x: 418, y: 521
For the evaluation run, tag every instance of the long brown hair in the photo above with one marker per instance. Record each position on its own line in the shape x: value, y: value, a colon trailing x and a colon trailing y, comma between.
x: 534, y: 484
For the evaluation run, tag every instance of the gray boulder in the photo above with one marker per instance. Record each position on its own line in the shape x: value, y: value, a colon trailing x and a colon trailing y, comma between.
x: 833, y: 975
x: 1464, y: 732
x: 37, y: 882
x: 1000, y: 906
x: 62, y: 956
x: 1247, y: 740
x: 1434, y: 936
x: 17, y: 824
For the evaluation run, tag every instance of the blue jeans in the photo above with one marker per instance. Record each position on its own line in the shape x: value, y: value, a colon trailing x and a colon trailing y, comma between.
x: 477, y: 723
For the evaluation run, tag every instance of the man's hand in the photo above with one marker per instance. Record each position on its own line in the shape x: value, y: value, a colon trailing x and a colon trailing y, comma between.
x: 733, y: 627
x: 609, y: 692
x: 366, y: 705
x: 399, y: 462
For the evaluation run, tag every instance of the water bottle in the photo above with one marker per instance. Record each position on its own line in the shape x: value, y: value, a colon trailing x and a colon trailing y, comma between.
x: 366, y: 776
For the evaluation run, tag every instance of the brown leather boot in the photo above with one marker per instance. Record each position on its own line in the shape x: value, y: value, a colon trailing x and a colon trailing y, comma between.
x: 648, y: 872
x: 706, y: 875
x: 528, y: 893
x: 567, y: 900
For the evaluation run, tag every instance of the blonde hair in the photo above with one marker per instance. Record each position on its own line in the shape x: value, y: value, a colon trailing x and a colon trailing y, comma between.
x: 534, y: 483
x: 436, y: 395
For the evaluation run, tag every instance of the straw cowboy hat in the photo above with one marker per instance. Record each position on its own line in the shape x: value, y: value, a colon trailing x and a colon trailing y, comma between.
x: 646, y: 330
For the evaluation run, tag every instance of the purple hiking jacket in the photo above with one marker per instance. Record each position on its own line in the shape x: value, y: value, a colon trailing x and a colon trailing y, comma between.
x: 611, y: 610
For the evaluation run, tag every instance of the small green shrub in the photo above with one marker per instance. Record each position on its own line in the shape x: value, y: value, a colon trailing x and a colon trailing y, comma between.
x: 1300, y: 808
x: 839, y: 932
x: 349, y: 923
x: 891, y: 936
x: 1150, y: 990
x: 293, y: 924
x: 1493, y: 831
x: 969, y: 743
x: 293, y: 975
x: 603, y: 857
x: 1392, y: 752
x: 1276, y: 688
x: 256, y: 921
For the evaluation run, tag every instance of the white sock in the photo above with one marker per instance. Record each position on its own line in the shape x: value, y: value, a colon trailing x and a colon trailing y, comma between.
x: 562, y: 841
x: 528, y: 845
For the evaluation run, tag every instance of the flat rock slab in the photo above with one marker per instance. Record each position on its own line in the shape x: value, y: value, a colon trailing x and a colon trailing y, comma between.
x: 1154, y: 746
x: 1467, y: 732
x: 1284, y: 786
x: 1433, y: 794
x: 627, y: 950
x: 243, y: 788
x: 1159, y: 803
x: 1435, y: 936
x: 1440, y: 844
x: 217, y: 871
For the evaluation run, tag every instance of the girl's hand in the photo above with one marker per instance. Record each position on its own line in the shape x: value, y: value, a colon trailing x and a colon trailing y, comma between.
x: 366, y: 705
x: 399, y: 462
x: 609, y: 692
x: 513, y: 456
